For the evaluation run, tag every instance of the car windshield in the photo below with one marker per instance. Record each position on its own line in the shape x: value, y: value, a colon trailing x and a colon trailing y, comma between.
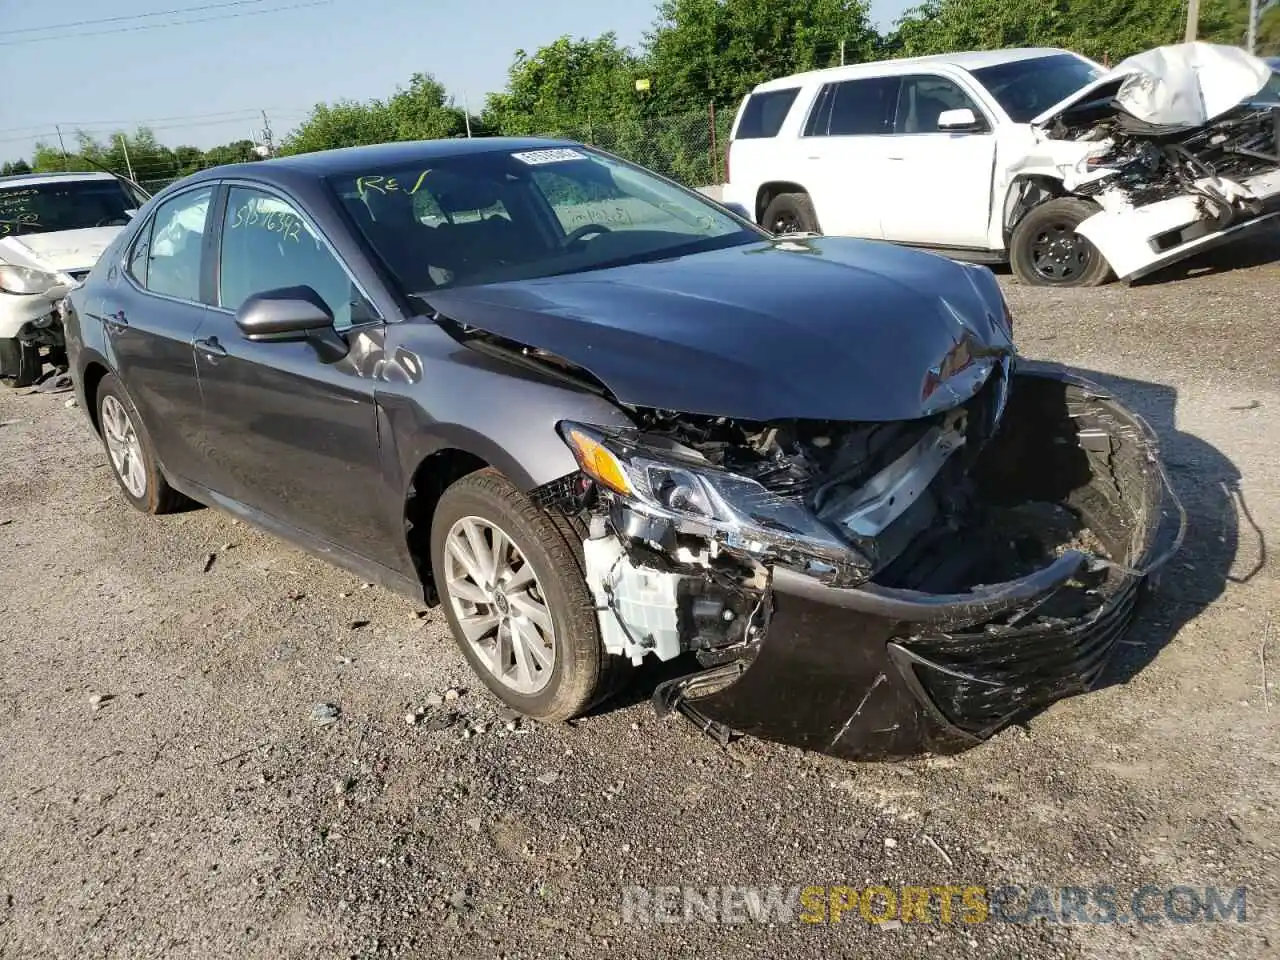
x: 64, y: 205
x: 515, y: 215
x: 1027, y: 88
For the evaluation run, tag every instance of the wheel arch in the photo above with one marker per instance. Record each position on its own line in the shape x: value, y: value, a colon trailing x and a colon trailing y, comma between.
x: 90, y: 377
x: 1026, y: 192
x: 766, y: 193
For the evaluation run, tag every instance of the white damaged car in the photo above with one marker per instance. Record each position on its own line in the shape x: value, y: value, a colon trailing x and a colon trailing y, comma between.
x: 1038, y: 157
x: 53, y: 228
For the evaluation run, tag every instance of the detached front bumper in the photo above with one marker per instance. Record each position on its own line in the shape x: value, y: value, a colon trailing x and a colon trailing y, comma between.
x: 1140, y: 240
x: 875, y: 672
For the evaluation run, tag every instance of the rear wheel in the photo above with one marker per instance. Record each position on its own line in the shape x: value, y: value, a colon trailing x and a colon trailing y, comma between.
x: 510, y: 579
x: 20, y: 363
x: 790, y: 213
x: 129, y: 450
x: 1045, y: 249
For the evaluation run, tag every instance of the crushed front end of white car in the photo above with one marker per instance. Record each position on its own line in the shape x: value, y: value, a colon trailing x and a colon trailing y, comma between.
x: 1179, y: 147
x: 53, y: 229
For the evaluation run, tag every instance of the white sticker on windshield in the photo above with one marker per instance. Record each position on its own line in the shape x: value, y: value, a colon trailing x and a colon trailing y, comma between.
x: 550, y: 156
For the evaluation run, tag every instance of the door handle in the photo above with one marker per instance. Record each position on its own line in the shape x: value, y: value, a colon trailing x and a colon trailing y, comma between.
x: 211, y: 348
x: 895, y: 158
x: 117, y: 319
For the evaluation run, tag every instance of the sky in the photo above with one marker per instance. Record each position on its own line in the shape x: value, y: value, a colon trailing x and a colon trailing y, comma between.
x: 206, y: 81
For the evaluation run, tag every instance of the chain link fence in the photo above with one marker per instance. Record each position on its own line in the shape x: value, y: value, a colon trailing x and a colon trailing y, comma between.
x: 687, y: 148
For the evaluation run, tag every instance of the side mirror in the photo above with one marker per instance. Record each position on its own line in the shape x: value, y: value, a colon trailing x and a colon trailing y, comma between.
x: 289, y: 315
x: 739, y: 209
x: 958, y: 120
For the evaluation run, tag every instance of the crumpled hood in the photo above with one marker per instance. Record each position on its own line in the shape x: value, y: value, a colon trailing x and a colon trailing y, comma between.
x: 822, y: 328
x: 1184, y: 85
x: 58, y: 251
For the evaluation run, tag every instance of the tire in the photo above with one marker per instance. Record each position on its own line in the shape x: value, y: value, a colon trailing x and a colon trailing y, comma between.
x: 20, y: 363
x: 790, y: 213
x: 138, y: 474
x: 1064, y: 258
x: 577, y: 673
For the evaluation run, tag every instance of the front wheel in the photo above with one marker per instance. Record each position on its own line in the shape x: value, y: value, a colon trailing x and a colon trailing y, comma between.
x: 1046, y: 251
x: 510, y: 579
x: 20, y: 363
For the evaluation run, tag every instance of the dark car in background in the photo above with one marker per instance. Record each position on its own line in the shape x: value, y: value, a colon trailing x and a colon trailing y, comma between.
x: 599, y: 417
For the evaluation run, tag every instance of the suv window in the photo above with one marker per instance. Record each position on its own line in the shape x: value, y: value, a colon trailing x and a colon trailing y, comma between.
x: 764, y: 113
x: 166, y: 256
x: 857, y: 108
x: 267, y: 245
x: 922, y: 99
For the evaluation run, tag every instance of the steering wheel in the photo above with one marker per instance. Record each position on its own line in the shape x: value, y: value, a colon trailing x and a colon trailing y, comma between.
x: 586, y: 230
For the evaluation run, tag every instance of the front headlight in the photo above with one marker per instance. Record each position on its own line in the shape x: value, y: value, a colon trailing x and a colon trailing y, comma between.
x: 25, y: 280
x: 675, y: 484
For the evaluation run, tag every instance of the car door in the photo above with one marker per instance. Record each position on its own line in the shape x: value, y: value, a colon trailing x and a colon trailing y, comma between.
x: 942, y: 178
x: 845, y: 143
x: 151, y: 312
x: 287, y: 434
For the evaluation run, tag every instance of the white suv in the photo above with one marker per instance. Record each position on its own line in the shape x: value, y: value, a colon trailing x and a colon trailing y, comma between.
x: 53, y: 228
x: 1036, y: 156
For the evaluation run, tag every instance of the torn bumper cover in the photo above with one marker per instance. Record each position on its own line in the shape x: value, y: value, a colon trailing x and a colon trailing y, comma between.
x: 1001, y: 585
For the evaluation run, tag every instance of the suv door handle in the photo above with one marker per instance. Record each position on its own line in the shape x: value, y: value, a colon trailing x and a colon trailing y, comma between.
x: 210, y: 347
x: 116, y: 319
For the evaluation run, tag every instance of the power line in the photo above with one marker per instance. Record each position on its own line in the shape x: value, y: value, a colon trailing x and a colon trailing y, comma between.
x: 181, y: 11
x: 161, y: 26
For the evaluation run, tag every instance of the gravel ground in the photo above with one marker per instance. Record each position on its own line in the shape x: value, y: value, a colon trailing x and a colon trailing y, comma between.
x: 166, y: 789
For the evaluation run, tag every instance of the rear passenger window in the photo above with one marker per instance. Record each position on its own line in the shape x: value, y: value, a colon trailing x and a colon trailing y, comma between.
x: 861, y: 107
x: 167, y: 258
x: 764, y: 113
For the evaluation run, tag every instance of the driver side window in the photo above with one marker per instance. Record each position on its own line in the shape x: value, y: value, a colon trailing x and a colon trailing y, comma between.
x: 922, y: 99
x: 267, y: 245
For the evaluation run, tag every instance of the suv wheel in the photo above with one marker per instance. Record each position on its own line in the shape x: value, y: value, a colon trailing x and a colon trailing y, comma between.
x: 1045, y: 249
x: 510, y: 579
x: 129, y: 449
x: 790, y: 213
x: 20, y: 363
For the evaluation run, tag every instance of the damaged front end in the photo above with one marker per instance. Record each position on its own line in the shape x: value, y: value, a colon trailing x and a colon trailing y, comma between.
x: 1179, y: 147
x: 876, y: 590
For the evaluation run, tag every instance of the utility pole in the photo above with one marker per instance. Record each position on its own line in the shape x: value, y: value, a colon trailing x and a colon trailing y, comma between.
x: 1252, y: 42
x: 61, y: 146
x: 124, y: 145
x: 842, y: 53
x: 466, y: 114
x: 266, y: 135
x: 1193, y: 19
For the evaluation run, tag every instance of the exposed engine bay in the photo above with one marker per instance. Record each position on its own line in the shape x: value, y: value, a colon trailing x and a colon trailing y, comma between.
x: 1176, y: 146
x: 1023, y: 522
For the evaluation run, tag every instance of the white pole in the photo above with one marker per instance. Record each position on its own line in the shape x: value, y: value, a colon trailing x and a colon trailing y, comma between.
x: 1193, y: 19
x: 466, y: 115
x: 124, y: 145
x: 1253, y: 26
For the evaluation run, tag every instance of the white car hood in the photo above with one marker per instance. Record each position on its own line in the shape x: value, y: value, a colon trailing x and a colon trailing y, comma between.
x: 58, y: 252
x: 1185, y: 85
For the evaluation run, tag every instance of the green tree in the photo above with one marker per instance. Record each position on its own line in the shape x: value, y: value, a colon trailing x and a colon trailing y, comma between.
x: 703, y: 51
x: 423, y: 111
x: 12, y: 168
x: 567, y: 84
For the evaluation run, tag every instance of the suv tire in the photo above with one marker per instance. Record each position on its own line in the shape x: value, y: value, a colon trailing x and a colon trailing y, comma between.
x: 20, y: 363
x: 790, y: 213
x: 1046, y: 251
x: 506, y: 571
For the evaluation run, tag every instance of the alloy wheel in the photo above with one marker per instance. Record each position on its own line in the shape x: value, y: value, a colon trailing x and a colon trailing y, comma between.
x: 499, y: 604
x: 123, y: 446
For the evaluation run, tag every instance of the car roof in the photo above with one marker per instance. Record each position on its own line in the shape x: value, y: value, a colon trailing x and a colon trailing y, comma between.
x: 39, y: 179
x: 347, y: 160
x: 970, y: 60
